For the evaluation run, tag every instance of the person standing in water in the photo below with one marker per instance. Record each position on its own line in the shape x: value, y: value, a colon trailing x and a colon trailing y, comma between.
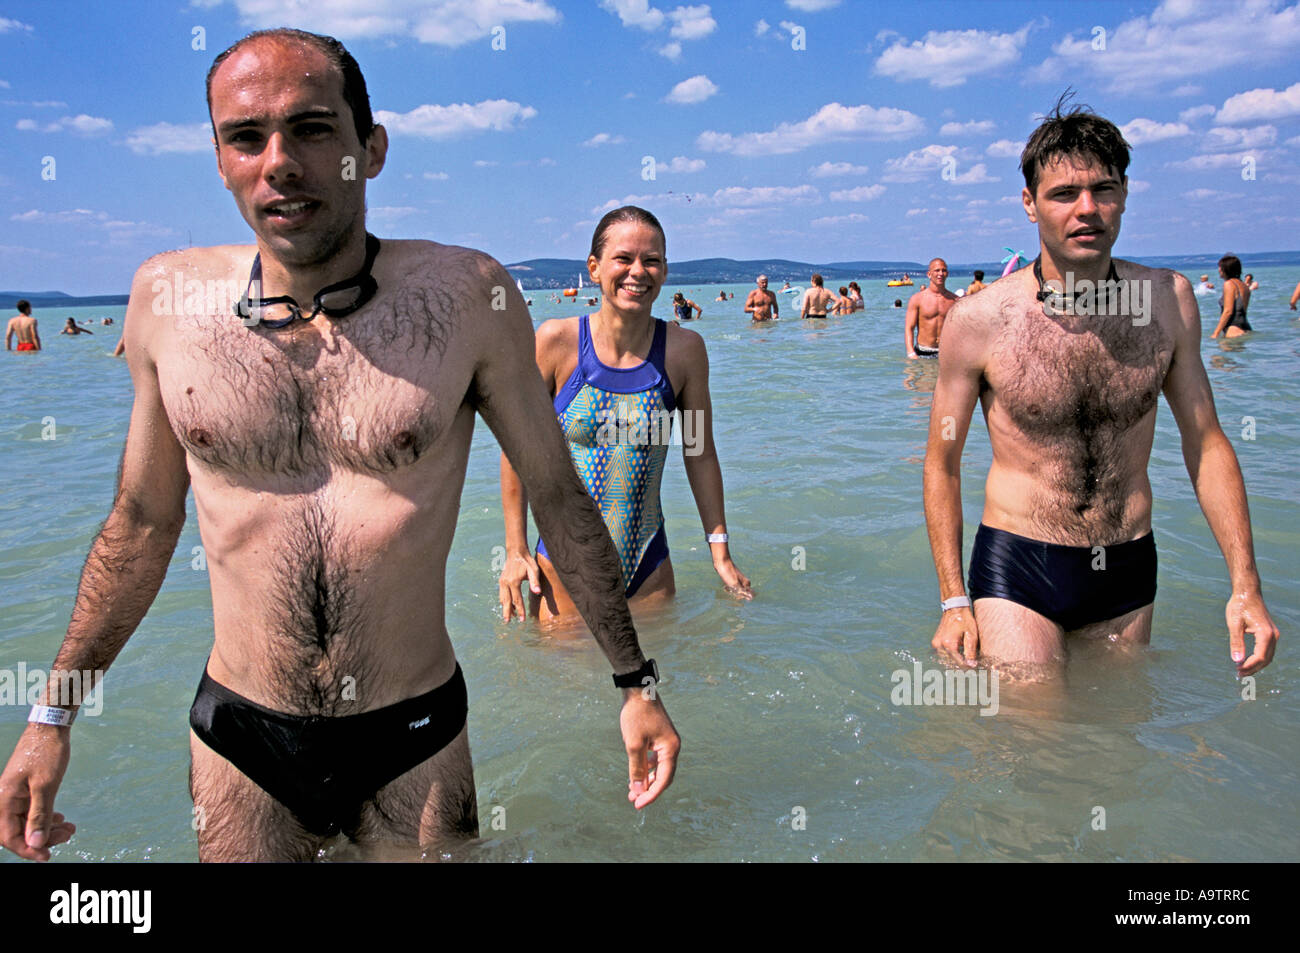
x: 1234, y: 300
x: 616, y: 377
x: 23, y: 326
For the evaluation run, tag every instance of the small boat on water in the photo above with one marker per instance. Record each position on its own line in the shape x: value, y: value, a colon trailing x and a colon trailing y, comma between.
x: 573, y: 292
x: 899, y: 282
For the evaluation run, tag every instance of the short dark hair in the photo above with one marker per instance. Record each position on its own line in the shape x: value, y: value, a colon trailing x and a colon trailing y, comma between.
x: 1231, y: 266
x: 979, y: 274
x: 817, y: 280
x: 1078, y: 133
x: 628, y: 213
x: 354, y: 84
x: 24, y: 306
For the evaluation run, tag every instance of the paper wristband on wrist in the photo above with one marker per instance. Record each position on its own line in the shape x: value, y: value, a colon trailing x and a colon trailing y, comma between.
x: 956, y: 602
x: 718, y: 537
x: 48, y: 715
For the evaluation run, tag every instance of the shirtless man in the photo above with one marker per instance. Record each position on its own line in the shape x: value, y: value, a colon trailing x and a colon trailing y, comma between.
x: 1065, y: 549
x: 977, y: 284
x: 327, y: 457
x: 761, y: 303
x: 817, y: 300
x: 23, y: 326
x: 926, y: 312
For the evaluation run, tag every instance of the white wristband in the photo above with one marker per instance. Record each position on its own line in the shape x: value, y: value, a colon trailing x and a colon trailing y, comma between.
x: 47, y: 715
x: 718, y: 537
x: 956, y: 602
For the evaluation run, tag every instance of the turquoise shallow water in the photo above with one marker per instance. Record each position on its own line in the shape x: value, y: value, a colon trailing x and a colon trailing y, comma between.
x: 792, y: 748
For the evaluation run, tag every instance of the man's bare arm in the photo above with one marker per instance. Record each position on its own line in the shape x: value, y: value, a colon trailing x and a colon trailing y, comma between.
x: 909, y: 325
x: 1220, y: 489
x: 961, y: 368
x: 122, y: 574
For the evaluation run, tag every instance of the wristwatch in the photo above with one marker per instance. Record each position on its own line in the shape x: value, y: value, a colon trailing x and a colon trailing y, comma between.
x: 637, y: 678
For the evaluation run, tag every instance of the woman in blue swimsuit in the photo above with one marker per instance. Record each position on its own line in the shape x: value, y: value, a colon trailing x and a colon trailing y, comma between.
x: 617, y: 376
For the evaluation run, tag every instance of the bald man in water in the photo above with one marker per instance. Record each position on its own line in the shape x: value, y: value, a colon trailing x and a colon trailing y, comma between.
x: 926, y: 311
x: 325, y: 432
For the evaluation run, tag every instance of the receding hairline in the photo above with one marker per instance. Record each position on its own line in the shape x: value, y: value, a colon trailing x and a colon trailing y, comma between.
x: 284, y: 43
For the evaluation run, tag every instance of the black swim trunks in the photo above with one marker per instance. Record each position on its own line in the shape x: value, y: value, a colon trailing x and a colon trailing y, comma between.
x: 1060, y: 582
x: 325, y: 769
x: 923, y: 351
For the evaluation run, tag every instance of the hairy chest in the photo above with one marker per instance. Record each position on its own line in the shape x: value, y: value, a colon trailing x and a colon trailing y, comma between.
x: 1077, y: 375
x: 370, y: 396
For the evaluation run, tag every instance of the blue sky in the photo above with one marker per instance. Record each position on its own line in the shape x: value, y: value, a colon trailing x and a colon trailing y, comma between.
x: 805, y: 129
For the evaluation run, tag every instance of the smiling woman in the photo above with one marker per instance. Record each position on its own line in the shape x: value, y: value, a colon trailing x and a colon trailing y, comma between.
x: 616, y: 378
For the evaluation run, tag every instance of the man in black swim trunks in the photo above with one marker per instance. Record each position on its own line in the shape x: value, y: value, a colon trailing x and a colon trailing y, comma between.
x: 1065, y: 547
x: 326, y: 436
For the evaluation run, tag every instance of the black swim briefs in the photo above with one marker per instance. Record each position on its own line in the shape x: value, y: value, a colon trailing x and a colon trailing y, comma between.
x: 325, y: 769
x: 1067, y: 584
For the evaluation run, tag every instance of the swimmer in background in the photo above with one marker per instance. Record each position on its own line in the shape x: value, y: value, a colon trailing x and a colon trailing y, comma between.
x: 977, y: 284
x: 844, y: 305
x: 898, y: 302
x: 1251, y: 283
x: 817, y: 300
x: 1234, y: 301
x: 23, y: 326
x: 682, y: 306
x: 761, y: 304
x: 73, y: 328
x: 1295, y: 295
x: 855, y: 297
x: 616, y: 378
x: 926, y: 311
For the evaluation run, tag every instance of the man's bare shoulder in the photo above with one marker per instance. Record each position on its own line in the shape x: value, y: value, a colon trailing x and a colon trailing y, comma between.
x: 983, y: 312
x: 195, y: 262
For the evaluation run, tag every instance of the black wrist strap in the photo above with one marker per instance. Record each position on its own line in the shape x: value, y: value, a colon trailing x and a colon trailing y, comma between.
x: 637, y: 679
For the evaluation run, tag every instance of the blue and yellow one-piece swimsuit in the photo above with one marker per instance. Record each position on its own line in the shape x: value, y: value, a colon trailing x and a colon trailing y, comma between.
x: 618, y: 422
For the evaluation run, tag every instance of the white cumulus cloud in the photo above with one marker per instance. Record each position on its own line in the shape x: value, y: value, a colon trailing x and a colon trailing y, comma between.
x: 1141, y: 131
x: 829, y: 169
x: 832, y: 123
x: 604, y: 139
x: 1221, y: 139
x: 691, y: 23
x: 972, y: 128
x: 636, y: 13
x: 693, y: 90
x: 863, y: 193
x: 439, y: 22
x: 81, y: 124
x: 164, y: 138
x: 950, y: 57
x: 1261, y: 104
x: 1180, y: 39
x: 446, y: 122
x: 1004, y: 149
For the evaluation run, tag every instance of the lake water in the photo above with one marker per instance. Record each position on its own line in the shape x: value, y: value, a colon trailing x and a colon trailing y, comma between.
x: 792, y: 749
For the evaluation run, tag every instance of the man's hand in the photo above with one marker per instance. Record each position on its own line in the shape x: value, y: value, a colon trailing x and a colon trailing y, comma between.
x: 652, y: 744
x: 1246, y: 613
x: 737, y: 582
x: 519, y: 566
x: 958, y: 638
x: 28, y: 824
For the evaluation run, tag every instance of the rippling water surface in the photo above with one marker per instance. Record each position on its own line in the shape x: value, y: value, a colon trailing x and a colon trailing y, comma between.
x: 792, y: 749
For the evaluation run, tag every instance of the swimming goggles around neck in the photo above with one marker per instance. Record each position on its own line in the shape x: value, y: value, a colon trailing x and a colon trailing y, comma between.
x: 1056, y: 303
x: 334, y: 301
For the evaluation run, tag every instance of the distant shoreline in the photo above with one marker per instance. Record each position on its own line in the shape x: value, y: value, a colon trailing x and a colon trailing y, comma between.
x: 549, y: 274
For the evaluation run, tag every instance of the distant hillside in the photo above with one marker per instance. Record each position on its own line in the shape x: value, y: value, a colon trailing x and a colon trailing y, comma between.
x: 538, y: 273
